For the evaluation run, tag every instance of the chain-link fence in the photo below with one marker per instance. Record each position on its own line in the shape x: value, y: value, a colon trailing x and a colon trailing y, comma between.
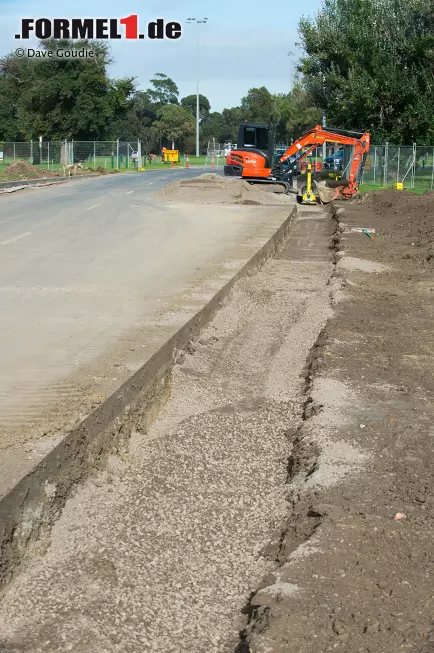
x: 55, y: 155
x: 389, y: 166
x: 386, y: 166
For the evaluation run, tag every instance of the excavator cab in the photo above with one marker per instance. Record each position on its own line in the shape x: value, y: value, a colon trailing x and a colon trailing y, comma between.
x: 254, y: 154
x: 256, y: 138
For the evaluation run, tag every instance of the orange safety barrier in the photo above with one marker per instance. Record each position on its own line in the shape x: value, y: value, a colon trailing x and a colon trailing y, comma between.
x: 186, y: 161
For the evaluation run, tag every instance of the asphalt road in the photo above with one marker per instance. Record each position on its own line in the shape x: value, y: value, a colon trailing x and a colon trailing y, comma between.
x: 85, y: 263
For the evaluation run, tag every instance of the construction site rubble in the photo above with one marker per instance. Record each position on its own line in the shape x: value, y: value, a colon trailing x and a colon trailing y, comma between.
x: 211, y: 188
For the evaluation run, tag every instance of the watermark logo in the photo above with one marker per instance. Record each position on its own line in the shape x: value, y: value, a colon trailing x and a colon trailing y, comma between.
x: 97, y: 28
x: 57, y: 53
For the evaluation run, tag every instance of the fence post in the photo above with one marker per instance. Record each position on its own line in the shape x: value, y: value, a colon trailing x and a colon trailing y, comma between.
x: 397, y: 165
x: 14, y: 150
x: 48, y: 153
x: 31, y: 150
x: 94, y: 155
x: 375, y: 163
x: 386, y: 154
x: 117, y: 154
x: 432, y: 171
x: 139, y: 154
x: 413, y: 167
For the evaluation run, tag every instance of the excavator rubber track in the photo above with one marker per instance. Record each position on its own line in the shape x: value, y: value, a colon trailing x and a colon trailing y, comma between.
x: 270, y: 182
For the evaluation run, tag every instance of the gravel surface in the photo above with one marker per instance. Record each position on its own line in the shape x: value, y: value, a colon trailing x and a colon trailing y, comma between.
x: 161, y: 553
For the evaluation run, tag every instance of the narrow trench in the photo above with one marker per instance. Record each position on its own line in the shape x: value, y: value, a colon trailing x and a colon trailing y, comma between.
x: 302, y: 521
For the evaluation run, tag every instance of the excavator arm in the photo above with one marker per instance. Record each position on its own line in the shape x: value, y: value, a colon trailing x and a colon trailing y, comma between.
x: 318, y: 135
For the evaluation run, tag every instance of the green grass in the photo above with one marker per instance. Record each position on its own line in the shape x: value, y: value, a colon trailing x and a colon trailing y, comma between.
x: 109, y: 163
x: 193, y: 160
x: 364, y: 188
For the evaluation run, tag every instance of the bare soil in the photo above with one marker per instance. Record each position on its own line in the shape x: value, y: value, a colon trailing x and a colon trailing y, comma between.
x: 211, y: 188
x: 21, y: 170
x: 354, y: 560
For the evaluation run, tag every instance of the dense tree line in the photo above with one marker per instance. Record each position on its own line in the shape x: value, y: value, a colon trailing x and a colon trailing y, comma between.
x: 368, y: 64
x: 76, y: 99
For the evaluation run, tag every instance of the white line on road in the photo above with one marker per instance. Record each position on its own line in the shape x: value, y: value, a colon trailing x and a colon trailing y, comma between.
x: 95, y: 206
x: 150, y: 183
x: 129, y: 192
x: 12, y: 240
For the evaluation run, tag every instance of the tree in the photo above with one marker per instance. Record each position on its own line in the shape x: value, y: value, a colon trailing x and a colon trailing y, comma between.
x: 190, y: 102
x: 214, y: 127
x: 369, y: 65
x: 301, y: 114
x: 175, y: 123
x: 64, y: 98
x: 163, y: 91
x: 259, y: 106
x: 231, y: 121
x: 136, y: 122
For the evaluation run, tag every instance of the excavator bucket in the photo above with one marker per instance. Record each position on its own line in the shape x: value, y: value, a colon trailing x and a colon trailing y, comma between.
x: 325, y: 193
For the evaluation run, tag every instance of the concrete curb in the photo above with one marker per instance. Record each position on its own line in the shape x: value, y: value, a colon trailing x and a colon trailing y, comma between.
x: 29, y: 510
x: 52, y: 181
x: 43, y: 181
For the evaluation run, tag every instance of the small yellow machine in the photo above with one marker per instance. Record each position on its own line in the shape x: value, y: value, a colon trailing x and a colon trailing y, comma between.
x: 308, y: 196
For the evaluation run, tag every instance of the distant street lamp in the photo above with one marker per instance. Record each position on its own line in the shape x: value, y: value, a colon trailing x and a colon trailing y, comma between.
x: 198, y: 22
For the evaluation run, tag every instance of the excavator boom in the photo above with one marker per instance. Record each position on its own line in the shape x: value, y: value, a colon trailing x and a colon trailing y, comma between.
x: 318, y: 135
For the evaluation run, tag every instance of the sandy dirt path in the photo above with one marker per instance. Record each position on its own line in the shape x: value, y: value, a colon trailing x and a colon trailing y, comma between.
x: 161, y: 552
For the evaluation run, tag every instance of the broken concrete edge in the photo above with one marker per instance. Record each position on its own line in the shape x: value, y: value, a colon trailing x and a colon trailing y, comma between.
x: 303, y: 517
x: 29, y: 510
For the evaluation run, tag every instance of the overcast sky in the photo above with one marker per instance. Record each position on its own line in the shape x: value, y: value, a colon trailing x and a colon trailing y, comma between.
x: 244, y: 44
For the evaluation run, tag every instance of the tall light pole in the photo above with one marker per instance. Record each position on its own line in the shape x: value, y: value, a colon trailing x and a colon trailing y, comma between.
x: 198, y: 21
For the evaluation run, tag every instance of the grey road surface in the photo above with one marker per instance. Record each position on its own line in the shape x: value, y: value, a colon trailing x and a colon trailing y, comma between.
x: 82, y: 266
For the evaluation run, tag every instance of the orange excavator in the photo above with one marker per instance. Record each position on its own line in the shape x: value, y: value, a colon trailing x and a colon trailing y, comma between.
x: 253, y: 158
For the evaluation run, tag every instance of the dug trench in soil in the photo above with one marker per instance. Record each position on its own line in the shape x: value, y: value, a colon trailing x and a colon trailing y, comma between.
x: 363, y: 501
x: 159, y: 553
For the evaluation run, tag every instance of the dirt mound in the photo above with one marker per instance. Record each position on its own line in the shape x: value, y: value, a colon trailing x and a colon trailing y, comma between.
x: 24, y: 170
x: 414, y: 219
x: 210, y: 188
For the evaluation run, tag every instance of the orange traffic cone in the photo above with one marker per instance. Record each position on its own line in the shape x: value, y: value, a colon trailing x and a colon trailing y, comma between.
x: 186, y: 161
x: 173, y: 161
x: 213, y: 163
